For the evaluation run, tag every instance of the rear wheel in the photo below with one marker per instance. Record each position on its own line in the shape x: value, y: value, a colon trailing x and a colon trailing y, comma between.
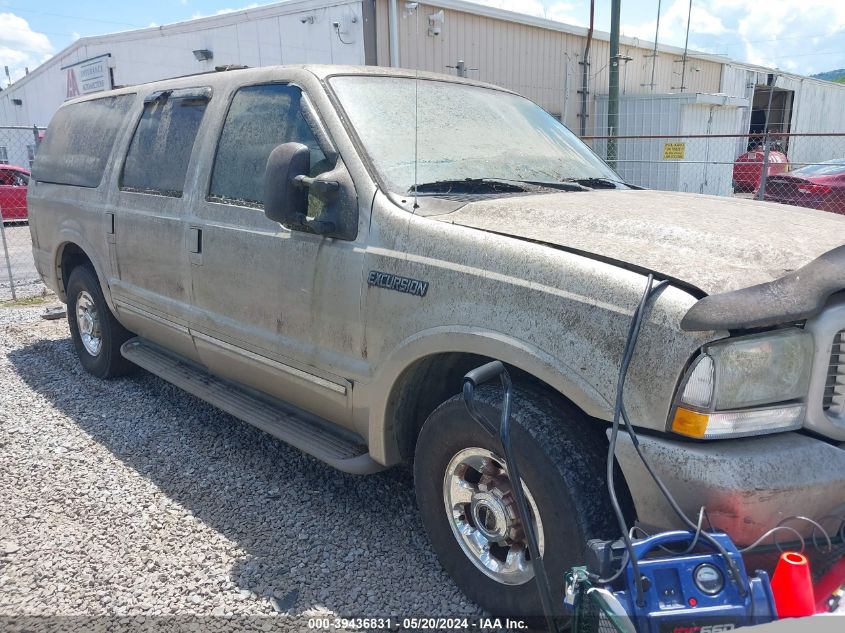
x: 467, y: 502
x: 96, y: 333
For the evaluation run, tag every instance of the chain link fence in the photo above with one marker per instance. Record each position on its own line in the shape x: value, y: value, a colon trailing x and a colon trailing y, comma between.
x: 806, y: 170
x: 18, y: 276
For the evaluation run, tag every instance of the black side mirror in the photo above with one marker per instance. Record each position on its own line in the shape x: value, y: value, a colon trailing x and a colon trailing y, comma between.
x: 285, y: 200
x: 287, y: 188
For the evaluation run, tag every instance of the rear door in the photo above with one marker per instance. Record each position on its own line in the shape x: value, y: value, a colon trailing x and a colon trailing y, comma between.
x: 153, y: 294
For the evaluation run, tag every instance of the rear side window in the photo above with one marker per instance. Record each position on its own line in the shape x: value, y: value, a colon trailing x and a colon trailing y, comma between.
x: 259, y: 119
x: 77, y: 145
x: 158, y: 155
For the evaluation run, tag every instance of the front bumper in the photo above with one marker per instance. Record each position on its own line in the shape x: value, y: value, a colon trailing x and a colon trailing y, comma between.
x: 746, y: 485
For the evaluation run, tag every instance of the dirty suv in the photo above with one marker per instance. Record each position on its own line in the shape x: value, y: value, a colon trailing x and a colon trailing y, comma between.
x: 324, y: 252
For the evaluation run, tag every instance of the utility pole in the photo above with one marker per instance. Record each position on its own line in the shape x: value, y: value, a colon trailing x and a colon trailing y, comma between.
x: 613, y: 84
x: 686, y: 48
x: 654, y: 53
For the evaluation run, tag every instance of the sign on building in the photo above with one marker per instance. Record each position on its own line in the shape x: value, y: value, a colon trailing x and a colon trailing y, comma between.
x: 90, y: 75
x: 674, y: 151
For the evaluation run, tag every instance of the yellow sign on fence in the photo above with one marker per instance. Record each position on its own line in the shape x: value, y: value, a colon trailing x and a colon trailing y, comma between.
x: 674, y: 151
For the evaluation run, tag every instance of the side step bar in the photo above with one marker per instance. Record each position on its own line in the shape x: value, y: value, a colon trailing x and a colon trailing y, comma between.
x: 310, y: 434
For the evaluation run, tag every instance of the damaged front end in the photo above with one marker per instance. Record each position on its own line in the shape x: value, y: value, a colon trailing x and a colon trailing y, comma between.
x: 769, y: 403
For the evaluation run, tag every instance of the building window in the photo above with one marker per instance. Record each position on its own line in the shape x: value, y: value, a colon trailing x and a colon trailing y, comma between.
x: 4, y: 155
x: 259, y: 119
x: 158, y: 156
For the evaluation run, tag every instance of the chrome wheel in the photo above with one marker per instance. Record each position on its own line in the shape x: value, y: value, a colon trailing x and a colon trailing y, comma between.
x: 482, y: 512
x: 88, y: 322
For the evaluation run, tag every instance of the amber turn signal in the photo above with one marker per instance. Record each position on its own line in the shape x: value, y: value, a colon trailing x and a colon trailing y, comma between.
x: 690, y: 423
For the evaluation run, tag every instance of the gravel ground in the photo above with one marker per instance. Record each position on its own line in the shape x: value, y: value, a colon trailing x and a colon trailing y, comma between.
x: 131, y: 505
x: 133, y: 498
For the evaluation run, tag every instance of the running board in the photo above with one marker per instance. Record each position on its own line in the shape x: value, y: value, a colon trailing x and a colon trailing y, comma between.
x: 310, y: 434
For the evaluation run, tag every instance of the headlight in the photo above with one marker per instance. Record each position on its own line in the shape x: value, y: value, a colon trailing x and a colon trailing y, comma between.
x: 746, y: 386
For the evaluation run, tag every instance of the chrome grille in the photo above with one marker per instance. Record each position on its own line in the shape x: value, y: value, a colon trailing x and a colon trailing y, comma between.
x: 834, y: 388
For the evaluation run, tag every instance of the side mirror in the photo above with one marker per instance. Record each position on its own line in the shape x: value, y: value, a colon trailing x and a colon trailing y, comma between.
x: 285, y: 201
x: 290, y: 194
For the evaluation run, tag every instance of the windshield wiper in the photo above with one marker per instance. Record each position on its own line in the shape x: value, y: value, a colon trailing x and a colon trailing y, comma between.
x: 469, y: 185
x: 598, y: 183
x: 491, y: 185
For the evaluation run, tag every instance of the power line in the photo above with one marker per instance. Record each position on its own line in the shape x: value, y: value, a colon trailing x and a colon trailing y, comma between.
x: 69, y: 17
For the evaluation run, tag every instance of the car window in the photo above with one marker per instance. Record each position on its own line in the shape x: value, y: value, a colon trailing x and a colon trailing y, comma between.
x: 828, y: 168
x: 19, y: 179
x: 259, y: 119
x: 158, y: 155
x: 79, y: 141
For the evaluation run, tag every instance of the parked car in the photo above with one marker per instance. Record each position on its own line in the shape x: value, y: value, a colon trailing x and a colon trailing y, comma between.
x: 748, y: 167
x: 325, y: 251
x: 820, y: 186
x: 13, y: 187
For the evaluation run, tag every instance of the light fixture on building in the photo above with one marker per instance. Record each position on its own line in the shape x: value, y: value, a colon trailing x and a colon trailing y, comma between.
x: 17, y: 102
x: 203, y: 54
x: 307, y: 19
x: 435, y: 23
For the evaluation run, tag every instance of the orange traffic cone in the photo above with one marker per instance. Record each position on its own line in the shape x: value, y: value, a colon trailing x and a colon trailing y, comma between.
x: 793, y: 586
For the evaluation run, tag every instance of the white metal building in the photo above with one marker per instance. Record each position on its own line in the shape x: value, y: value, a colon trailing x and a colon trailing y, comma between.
x: 539, y: 58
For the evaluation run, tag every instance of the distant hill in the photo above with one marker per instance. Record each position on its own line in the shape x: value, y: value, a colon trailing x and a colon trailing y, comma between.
x: 832, y: 75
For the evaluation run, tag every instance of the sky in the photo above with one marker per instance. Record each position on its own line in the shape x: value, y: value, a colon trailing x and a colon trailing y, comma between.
x: 802, y: 36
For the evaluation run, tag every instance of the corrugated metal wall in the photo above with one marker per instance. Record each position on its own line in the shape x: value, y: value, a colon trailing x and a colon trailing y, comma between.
x: 540, y: 63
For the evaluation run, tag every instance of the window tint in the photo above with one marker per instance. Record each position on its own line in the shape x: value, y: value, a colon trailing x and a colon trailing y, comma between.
x: 78, y: 142
x: 259, y: 119
x: 158, y: 156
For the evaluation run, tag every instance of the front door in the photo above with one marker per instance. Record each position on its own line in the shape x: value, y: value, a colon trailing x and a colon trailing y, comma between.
x: 274, y: 308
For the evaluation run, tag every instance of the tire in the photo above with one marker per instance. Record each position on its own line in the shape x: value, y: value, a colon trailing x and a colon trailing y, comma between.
x: 104, y: 361
x: 562, y: 458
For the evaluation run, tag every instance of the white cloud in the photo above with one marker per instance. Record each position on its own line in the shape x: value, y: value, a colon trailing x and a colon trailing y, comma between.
x: 20, y: 46
x: 673, y: 24
x: 805, y: 37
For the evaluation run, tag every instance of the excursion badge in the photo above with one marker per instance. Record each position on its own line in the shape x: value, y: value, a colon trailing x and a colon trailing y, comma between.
x: 390, y: 281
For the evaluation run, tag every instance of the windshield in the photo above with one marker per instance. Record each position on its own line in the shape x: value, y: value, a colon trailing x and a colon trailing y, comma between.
x: 461, y: 132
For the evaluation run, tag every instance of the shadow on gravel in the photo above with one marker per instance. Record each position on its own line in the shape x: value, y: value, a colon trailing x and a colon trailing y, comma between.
x: 313, y: 535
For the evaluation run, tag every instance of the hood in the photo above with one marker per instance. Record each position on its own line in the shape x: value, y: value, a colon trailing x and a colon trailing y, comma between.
x: 713, y: 243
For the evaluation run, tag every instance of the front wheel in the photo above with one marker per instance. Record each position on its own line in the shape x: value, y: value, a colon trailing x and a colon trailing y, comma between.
x: 96, y: 333
x: 468, y: 506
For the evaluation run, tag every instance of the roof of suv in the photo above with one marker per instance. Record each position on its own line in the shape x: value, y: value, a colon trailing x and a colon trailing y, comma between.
x: 265, y: 73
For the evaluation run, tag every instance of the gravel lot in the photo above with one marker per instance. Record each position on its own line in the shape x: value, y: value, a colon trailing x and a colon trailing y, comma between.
x: 131, y: 505
x: 133, y: 498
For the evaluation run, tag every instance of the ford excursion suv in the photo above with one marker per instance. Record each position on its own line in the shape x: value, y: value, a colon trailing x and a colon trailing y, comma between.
x: 325, y: 251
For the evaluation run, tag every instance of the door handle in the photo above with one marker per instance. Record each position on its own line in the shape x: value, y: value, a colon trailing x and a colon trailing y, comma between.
x: 194, y: 240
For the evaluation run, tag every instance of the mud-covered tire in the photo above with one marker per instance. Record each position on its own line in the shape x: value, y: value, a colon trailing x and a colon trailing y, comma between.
x: 562, y: 457
x: 107, y: 362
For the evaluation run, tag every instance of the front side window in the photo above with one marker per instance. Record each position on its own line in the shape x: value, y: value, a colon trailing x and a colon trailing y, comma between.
x: 160, y: 150
x: 424, y: 131
x: 259, y: 119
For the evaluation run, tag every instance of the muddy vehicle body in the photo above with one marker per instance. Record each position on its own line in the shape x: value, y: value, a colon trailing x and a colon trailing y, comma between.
x: 325, y: 251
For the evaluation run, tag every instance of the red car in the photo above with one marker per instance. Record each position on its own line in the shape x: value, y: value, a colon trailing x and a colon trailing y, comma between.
x: 13, y: 185
x: 749, y: 167
x: 820, y: 186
